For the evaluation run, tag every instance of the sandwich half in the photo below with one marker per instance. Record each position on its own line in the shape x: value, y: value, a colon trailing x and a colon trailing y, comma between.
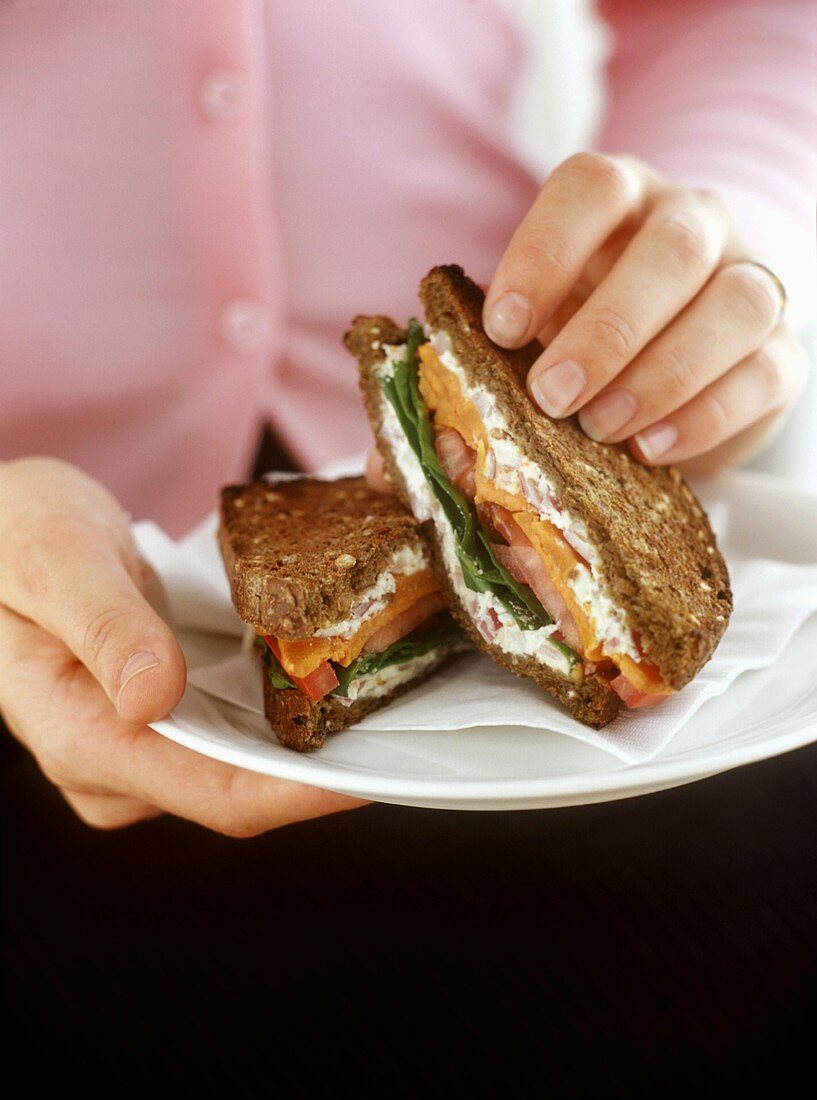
x: 336, y: 584
x: 564, y: 559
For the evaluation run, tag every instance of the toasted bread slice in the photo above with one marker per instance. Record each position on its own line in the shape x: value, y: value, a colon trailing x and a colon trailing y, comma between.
x: 303, y: 725
x: 299, y: 553
x: 657, y: 555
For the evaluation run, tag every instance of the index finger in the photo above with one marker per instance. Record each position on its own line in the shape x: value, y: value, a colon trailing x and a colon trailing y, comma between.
x: 583, y: 201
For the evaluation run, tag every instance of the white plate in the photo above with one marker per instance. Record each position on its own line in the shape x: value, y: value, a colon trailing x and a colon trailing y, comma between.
x: 765, y: 713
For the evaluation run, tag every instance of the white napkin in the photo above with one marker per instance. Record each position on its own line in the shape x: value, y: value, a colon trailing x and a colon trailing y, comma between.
x: 772, y: 601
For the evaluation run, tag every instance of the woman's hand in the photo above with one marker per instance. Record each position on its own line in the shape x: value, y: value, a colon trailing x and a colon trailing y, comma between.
x: 85, y: 663
x: 656, y: 328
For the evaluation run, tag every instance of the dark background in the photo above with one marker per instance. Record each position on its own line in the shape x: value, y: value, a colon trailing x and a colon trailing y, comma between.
x: 650, y: 946
x: 658, y: 946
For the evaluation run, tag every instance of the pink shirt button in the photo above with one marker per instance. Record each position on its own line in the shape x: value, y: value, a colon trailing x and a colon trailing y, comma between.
x: 245, y: 325
x: 221, y: 94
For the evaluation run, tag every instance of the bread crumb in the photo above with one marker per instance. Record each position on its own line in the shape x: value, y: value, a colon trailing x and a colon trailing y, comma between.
x: 345, y: 561
x: 287, y: 558
x: 272, y: 498
x: 706, y: 587
x: 238, y: 502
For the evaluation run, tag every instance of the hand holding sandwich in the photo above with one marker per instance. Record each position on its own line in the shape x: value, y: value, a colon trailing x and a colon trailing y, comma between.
x: 658, y: 326
x: 85, y: 663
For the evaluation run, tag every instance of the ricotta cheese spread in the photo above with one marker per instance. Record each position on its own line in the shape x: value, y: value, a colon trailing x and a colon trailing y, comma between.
x: 516, y: 474
x: 404, y: 562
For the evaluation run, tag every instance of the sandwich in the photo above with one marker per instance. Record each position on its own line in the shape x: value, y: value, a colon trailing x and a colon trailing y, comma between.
x: 564, y: 559
x: 335, y: 584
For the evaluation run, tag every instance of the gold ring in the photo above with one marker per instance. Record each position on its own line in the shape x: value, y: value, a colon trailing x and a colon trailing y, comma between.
x: 778, y: 282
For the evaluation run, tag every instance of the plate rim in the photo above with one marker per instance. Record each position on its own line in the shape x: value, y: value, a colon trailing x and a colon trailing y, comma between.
x: 647, y: 774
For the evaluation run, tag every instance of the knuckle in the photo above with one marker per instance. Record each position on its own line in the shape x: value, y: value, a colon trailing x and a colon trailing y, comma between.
x: 540, y: 260
x: 616, y: 335
x: 101, y: 632
x: 40, y: 539
x: 715, y: 202
x: 229, y: 807
x: 232, y: 823
x: 603, y: 173
x: 678, y: 381
x: 772, y: 375
x: 687, y: 239
x: 715, y: 415
x: 751, y: 294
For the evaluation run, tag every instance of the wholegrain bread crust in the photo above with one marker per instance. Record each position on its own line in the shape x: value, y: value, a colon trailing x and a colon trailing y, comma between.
x: 658, y: 556
x: 299, y: 553
x: 303, y: 725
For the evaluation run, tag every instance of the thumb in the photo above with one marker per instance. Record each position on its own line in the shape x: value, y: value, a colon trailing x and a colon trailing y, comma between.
x: 73, y: 582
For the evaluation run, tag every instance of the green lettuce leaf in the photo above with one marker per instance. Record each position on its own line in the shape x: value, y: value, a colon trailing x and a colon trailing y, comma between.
x: 481, y: 569
x: 442, y: 634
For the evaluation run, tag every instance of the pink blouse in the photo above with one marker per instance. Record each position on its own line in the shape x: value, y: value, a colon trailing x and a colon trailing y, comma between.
x: 195, y: 199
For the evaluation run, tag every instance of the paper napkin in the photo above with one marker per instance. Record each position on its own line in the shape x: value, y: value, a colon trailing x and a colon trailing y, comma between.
x: 772, y: 601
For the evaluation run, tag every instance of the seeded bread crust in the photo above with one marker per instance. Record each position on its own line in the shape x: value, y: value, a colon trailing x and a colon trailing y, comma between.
x: 300, y: 724
x: 659, y: 557
x: 299, y: 553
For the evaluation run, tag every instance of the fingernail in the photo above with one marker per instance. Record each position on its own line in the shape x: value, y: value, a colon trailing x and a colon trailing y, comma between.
x: 557, y: 388
x: 136, y: 663
x: 655, y: 441
x: 509, y: 319
x: 608, y: 414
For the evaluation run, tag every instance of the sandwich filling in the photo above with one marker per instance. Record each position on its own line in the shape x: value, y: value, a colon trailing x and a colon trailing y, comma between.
x: 522, y: 566
x: 395, y: 631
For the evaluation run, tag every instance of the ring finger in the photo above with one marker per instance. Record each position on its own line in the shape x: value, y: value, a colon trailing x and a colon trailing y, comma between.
x: 764, y: 383
x: 729, y: 319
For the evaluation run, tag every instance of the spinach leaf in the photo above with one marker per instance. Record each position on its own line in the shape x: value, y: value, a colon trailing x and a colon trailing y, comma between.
x: 481, y: 569
x: 442, y: 634
x: 277, y: 677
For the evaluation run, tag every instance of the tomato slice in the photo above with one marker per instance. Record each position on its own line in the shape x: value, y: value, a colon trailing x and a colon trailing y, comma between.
x: 407, y: 621
x: 457, y: 459
x: 525, y: 565
x: 631, y: 696
x: 317, y: 684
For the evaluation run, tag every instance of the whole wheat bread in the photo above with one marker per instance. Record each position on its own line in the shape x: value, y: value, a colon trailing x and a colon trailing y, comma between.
x: 298, y: 554
x: 659, y: 557
x: 303, y: 725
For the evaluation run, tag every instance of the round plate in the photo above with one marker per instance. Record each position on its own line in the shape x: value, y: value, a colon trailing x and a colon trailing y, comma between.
x: 764, y: 713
